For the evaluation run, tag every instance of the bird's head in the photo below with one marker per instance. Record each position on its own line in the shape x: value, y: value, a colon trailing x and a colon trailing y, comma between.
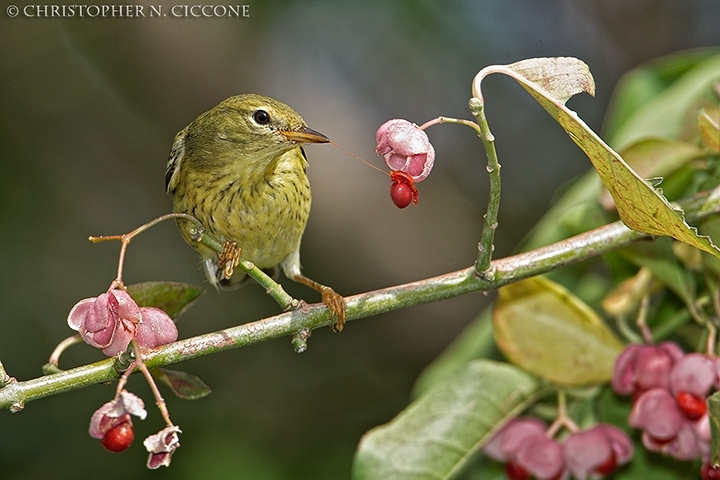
x: 249, y: 129
x: 257, y: 123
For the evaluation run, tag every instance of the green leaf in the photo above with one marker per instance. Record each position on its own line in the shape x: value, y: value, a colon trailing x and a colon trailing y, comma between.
x: 653, y: 466
x: 640, y: 207
x: 714, y: 413
x: 434, y: 437
x: 659, y: 258
x: 543, y: 328
x: 665, y: 91
x: 183, y: 384
x: 171, y: 297
x: 711, y: 226
x: 709, y: 130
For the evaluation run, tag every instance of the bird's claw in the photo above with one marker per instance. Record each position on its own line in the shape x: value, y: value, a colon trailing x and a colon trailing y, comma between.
x: 228, y: 259
x: 336, y: 304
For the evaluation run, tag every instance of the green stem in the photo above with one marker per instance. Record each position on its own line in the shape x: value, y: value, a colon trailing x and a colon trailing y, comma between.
x: 4, y: 377
x: 274, y: 289
x: 55, y: 355
x: 627, y: 333
x: 486, y: 247
x: 573, y: 250
x: 127, y: 237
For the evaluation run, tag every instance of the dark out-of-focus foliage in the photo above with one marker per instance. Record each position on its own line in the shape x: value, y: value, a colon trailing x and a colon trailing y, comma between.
x: 88, y: 110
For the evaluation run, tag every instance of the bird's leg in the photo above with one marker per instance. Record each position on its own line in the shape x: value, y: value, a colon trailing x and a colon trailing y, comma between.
x: 228, y: 259
x: 332, y: 299
x: 335, y: 303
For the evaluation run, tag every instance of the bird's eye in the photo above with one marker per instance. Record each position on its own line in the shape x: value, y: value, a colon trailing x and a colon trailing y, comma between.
x: 261, y: 117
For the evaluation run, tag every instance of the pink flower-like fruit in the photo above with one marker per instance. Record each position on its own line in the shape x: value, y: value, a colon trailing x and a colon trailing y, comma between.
x: 157, y: 328
x: 673, y: 412
x: 111, y: 320
x: 406, y: 148
x: 112, y: 423
x: 409, y: 155
x: 597, y: 451
x: 695, y: 374
x: 107, y: 322
x: 642, y: 367
x: 527, y: 451
x: 161, y: 447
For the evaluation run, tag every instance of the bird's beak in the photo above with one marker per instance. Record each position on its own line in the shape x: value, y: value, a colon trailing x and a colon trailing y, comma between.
x: 305, y: 135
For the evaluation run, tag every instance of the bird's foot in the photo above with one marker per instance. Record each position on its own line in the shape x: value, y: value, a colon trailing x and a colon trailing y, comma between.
x: 336, y: 304
x: 228, y: 259
x: 334, y: 301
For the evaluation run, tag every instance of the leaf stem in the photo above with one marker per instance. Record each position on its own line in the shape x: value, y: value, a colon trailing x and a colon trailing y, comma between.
x: 61, y: 347
x: 563, y: 419
x: 440, y: 120
x: 125, y: 238
x: 486, y: 247
x: 642, y: 320
x: 139, y: 364
x: 159, y: 400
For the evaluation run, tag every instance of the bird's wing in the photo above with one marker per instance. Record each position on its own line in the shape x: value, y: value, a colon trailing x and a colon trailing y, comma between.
x: 173, y: 164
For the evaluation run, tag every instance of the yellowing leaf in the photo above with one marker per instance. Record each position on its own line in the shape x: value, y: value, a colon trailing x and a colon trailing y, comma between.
x: 640, y: 207
x: 654, y: 157
x: 544, y: 329
x: 559, y: 77
x: 625, y: 298
x: 710, y: 131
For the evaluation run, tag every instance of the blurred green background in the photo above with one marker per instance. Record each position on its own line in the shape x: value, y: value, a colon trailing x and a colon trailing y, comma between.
x: 88, y: 111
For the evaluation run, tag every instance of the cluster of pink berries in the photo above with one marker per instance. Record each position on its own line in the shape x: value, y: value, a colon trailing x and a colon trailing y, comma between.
x: 529, y: 451
x: 668, y: 389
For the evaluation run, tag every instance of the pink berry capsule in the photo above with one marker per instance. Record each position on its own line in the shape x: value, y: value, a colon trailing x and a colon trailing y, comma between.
x: 406, y: 148
x: 409, y: 155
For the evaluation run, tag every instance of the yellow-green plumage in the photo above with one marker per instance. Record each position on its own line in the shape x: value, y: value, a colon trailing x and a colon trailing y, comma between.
x: 242, y: 174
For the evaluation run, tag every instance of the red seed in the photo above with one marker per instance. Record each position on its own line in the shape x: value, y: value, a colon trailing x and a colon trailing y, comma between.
x: 118, y: 438
x: 401, y: 194
x: 691, y: 406
x: 402, y: 190
x: 707, y: 472
x: 608, y: 466
x: 513, y: 471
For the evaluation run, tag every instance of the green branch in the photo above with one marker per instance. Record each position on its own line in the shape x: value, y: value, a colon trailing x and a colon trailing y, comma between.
x: 274, y: 289
x: 486, y: 247
x: 14, y: 395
